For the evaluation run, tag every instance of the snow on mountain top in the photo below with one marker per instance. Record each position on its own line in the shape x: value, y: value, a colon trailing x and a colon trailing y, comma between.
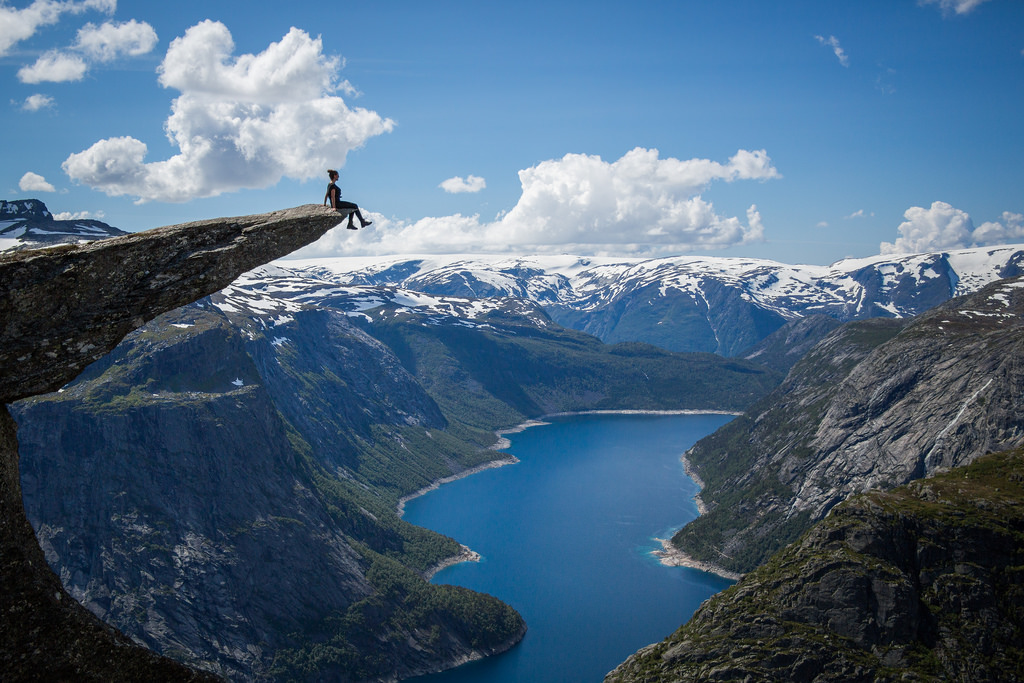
x: 851, y: 288
x: 276, y: 290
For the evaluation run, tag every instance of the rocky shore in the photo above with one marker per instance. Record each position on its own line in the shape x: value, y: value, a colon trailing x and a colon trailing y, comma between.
x: 671, y: 556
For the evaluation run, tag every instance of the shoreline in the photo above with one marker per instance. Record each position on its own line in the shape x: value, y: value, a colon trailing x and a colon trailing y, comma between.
x: 671, y: 556
x: 692, y: 474
x: 465, y: 555
x: 436, y: 484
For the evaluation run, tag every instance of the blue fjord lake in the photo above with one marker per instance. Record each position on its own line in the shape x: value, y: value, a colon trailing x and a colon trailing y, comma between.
x: 566, y: 537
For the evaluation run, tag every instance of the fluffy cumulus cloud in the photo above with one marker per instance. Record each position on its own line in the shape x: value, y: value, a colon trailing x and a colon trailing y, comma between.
x: 33, y: 182
x: 17, y: 25
x: 957, y: 6
x: 239, y: 122
x: 639, y: 204
x: 102, y: 43
x: 837, y: 49
x: 942, y: 227
x: 459, y: 184
x: 37, y: 102
x: 109, y: 41
x: 54, y: 66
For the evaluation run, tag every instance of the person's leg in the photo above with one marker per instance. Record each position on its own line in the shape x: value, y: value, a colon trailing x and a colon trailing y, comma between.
x: 350, y: 209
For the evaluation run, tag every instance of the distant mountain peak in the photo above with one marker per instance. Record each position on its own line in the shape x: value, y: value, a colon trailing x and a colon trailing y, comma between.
x: 28, y: 224
x: 24, y: 208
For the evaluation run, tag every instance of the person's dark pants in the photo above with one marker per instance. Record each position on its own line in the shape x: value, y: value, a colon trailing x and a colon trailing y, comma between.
x: 352, y: 210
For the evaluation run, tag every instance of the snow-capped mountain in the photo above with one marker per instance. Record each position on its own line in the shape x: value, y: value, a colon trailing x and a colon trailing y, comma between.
x: 28, y: 224
x: 276, y: 294
x: 685, y: 303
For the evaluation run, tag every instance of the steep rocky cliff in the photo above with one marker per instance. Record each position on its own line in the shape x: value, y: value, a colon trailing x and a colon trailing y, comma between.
x: 874, y: 405
x: 61, y: 309
x: 922, y: 583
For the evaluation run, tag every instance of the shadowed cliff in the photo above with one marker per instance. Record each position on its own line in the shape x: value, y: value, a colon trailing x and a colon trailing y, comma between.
x: 61, y: 309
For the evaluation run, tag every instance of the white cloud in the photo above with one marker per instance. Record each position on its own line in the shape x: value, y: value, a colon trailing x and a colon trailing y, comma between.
x: 1009, y: 231
x: 106, y: 42
x: 17, y: 25
x: 33, y: 182
x: 958, y: 6
x: 640, y: 204
x: 77, y: 215
x: 55, y: 67
x: 240, y: 122
x: 459, y: 184
x: 942, y: 227
x: 837, y: 49
x: 37, y: 102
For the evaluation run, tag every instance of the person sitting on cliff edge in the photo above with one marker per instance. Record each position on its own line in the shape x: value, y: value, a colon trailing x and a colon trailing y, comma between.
x: 333, y: 197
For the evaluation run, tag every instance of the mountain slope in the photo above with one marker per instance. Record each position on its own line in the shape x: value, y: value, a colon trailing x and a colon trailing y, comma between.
x: 686, y: 303
x: 219, y: 531
x: 921, y: 583
x: 874, y: 405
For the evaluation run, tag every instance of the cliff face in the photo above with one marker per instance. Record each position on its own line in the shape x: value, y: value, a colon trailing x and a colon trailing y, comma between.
x: 61, y: 309
x: 920, y: 583
x: 874, y: 405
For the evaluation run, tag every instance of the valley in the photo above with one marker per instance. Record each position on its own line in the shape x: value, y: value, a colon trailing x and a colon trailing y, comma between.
x: 222, y: 487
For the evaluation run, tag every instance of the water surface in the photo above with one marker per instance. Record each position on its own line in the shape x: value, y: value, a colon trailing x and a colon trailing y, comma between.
x: 566, y: 537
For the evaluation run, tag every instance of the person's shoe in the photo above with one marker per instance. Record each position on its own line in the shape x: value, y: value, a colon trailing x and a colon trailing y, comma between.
x: 352, y: 227
x: 365, y: 223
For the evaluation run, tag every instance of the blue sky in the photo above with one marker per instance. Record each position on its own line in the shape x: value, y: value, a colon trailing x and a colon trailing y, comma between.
x: 799, y: 131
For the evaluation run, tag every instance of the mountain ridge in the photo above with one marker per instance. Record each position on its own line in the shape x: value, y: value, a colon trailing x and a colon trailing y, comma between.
x: 713, y: 304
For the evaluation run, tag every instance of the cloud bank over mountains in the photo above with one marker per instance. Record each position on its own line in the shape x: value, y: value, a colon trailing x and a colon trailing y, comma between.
x: 242, y: 121
x: 584, y: 204
x: 942, y: 226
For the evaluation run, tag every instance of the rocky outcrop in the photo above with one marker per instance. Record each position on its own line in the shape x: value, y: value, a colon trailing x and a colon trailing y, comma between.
x: 921, y: 583
x: 65, y: 307
x: 61, y: 309
x: 874, y: 405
